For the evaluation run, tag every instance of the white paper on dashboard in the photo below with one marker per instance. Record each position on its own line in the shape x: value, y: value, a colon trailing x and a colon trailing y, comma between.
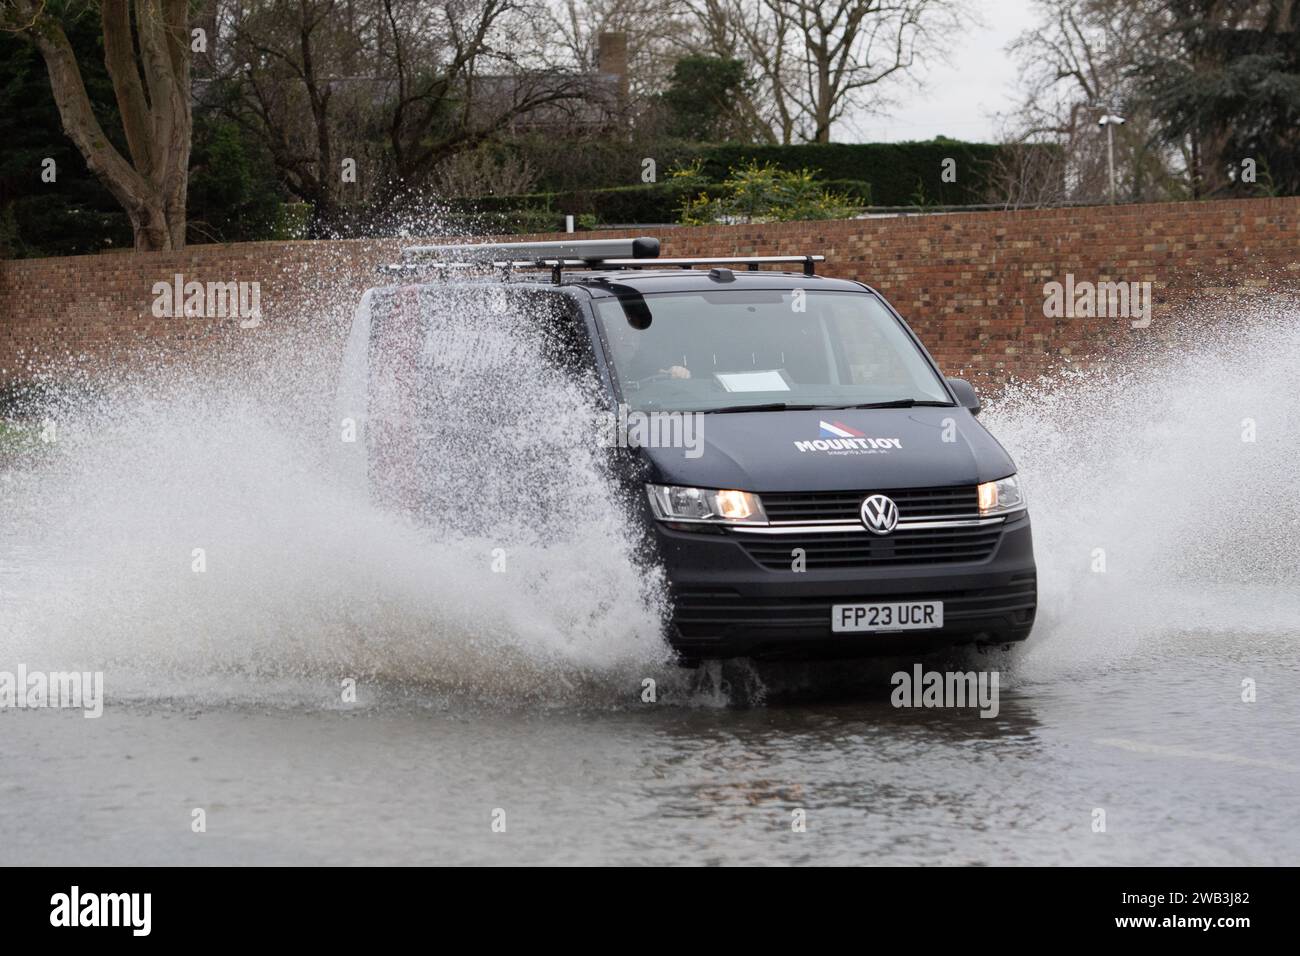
x: 769, y: 381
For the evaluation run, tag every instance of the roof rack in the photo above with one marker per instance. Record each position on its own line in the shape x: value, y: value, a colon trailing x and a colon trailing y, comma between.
x: 506, y: 257
x: 587, y: 250
x: 751, y: 262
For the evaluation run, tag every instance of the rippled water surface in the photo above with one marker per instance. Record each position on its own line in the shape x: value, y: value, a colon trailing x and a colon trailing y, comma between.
x: 1186, y: 773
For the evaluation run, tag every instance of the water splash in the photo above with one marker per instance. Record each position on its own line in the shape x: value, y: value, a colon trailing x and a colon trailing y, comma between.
x: 306, y: 579
x: 309, y: 580
x: 1163, y: 491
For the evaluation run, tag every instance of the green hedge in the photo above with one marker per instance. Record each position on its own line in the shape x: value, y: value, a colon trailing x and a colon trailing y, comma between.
x: 651, y: 203
x: 878, y: 174
x: 894, y: 170
x: 654, y: 202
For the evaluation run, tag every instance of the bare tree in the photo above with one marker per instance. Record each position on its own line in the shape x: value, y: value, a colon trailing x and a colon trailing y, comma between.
x: 475, y: 173
x: 391, y: 89
x: 852, y: 45
x: 658, y: 32
x: 150, y: 73
x: 745, y: 30
x: 463, y: 79
x: 1076, y: 68
x: 816, y: 59
x: 288, y: 68
x: 1027, y: 174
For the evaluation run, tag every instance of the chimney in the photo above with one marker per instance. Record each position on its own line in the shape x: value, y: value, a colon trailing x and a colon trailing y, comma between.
x: 611, y: 58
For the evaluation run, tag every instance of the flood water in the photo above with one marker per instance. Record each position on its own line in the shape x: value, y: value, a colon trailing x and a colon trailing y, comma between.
x: 192, y: 545
x: 1186, y: 773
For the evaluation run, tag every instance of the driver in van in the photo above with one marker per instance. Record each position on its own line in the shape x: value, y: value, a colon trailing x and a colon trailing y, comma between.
x: 637, y: 353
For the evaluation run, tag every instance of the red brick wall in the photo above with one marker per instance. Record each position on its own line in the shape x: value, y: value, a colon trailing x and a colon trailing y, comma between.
x: 970, y: 283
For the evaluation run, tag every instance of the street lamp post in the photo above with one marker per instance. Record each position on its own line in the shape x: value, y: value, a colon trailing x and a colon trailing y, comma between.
x: 1110, y: 121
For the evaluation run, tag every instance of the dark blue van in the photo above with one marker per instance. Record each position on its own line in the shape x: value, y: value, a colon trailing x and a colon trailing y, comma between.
x: 809, y: 480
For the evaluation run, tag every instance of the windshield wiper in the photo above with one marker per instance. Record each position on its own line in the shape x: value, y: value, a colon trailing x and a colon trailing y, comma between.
x: 786, y: 407
x: 765, y: 407
x: 897, y: 403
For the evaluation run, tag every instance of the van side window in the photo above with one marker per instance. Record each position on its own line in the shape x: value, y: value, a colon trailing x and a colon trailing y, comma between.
x: 864, y: 355
x: 562, y: 329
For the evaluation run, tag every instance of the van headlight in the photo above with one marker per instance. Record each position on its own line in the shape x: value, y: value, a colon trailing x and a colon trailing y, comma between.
x: 715, y: 506
x: 1001, y: 497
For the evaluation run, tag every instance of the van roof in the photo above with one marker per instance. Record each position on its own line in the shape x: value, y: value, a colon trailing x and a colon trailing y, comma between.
x: 646, y: 281
x: 697, y: 280
x: 593, y: 263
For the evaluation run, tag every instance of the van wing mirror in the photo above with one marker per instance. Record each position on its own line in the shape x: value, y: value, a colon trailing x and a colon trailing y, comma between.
x: 966, y: 394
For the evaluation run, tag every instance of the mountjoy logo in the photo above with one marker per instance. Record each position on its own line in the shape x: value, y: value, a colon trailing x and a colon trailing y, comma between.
x: 26, y: 689
x: 211, y: 300
x: 946, y: 689
x: 102, y: 909
x: 840, y: 439
x: 1102, y: 300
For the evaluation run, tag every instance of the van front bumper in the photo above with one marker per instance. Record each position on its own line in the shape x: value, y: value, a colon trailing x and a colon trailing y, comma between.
x: 726, y: 602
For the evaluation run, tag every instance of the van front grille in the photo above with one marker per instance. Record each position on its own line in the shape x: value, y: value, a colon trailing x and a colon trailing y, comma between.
x: 912, y: 503
x: 866, y: 550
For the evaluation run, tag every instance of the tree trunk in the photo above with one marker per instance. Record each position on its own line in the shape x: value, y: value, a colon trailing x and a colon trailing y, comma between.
x: 149, y: 223
x: 824, y: 103
x: 152, y: 186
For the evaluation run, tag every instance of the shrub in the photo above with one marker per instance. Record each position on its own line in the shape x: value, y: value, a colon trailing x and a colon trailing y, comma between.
x: 894, y: 170
x: 766, y: 193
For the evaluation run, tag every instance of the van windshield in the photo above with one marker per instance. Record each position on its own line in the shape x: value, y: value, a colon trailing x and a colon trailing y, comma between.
x: 732, y: 349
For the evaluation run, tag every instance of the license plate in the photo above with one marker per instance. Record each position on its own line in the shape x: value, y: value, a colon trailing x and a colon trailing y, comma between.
x: 894, y: 616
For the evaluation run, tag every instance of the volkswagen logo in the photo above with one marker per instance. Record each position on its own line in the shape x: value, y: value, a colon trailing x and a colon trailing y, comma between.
x: 880, y: 514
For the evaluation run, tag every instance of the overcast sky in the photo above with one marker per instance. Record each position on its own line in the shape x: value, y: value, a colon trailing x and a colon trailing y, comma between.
x: 962, y: 90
